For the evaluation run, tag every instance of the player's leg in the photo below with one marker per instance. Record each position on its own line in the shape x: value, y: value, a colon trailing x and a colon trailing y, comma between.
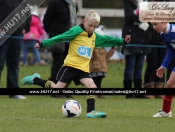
x: 48, y: 83
x: 62, y: 79
x: 35, y: 79
x: 91, y: 112
x: 167, y: 100
x: 88, y: 82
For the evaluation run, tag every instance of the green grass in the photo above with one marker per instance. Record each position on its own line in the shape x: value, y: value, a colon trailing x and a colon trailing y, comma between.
x: 41, y: 113
x: 114, y: 77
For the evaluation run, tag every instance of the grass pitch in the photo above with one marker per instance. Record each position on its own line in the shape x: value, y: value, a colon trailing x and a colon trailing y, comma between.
x: 114, y: 78
x: 41, y: 113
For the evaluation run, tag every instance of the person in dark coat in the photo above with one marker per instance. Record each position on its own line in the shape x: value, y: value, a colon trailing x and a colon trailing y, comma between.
x: 58, y: 18
x: 134, y: 55
x: 10, y: 49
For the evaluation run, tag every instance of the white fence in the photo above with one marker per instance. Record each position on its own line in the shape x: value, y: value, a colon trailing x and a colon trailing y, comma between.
x: 103, y: 12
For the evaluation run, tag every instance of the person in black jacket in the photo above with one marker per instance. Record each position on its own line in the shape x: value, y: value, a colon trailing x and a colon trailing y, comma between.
x: 134, y: 55
x: 154, y: 60
x: 57, y: 20
x: 10, y: 49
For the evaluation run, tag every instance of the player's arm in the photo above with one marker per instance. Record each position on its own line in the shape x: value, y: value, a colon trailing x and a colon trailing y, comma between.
x: 169, y: 56
x: 66, y: 36
x: 108, y: 41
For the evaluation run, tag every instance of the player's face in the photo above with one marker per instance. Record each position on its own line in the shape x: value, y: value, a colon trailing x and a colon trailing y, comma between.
x: 158, y: 26
x: 89, y: 26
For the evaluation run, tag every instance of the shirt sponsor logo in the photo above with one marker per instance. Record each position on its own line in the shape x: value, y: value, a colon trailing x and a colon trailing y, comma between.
x: 84, y: 51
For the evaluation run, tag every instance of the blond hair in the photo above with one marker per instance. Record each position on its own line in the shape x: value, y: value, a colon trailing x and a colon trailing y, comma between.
x: 93, y: 15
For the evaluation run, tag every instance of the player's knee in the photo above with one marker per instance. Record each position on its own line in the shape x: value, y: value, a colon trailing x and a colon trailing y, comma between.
x: 170, y: 84
x: 92, y: 86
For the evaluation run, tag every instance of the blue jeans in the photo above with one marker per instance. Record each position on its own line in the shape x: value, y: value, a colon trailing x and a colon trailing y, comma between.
x: 10, y: 52
x: 133, y: 66
x: 29, y: 45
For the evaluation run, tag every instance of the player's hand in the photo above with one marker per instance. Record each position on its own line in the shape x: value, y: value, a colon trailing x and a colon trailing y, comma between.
x: 128, y: 38
x: 37, y: 46
x: 160, y: 72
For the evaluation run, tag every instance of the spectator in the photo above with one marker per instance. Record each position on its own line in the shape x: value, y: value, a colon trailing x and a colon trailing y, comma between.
x: 134, y: 56
x: 59, y: 17
x: 154, y: 59
x: 98, y: 63
x: 11, y: 48
x: 32, y: 37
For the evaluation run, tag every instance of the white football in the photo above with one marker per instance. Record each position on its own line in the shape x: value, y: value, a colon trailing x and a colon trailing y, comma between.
x: 71, y: 108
